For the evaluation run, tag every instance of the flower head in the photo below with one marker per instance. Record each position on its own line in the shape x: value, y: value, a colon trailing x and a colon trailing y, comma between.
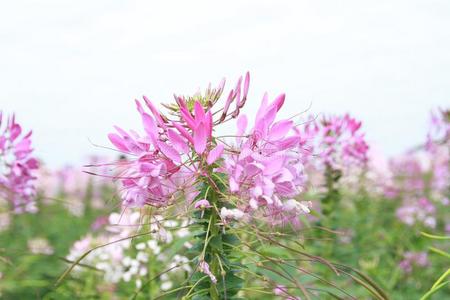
x: 202, y: 204
x: 179, y: 152
x: 17, y: 167
x: 337, y: 140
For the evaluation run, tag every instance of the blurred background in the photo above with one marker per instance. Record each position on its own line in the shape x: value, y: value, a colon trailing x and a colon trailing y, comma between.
x: 71, y: 69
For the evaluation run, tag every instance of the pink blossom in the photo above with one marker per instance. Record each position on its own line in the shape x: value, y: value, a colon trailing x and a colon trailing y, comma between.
x: 337, y: 141
x: 413, y: 259
x: 266, y: 168
x: 163, y: 167
x: 17, y: 167
x: 202, y: 204
x: 418, y: 211
x: 178, y: 151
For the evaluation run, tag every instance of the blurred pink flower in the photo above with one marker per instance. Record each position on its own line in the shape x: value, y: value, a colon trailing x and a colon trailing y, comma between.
x: 418, y: 211
x: 413, y: 259
x: 17, y: 167
x: 265, y: 169
x: 337, y: 140
x: 202, y: 204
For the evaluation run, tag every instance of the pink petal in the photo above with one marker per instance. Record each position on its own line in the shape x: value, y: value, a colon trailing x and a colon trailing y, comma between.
x: 279, y: 101
x: 32, y: 163
x: 117, y: 141
x: 199, y: 112
x: 200, y: 138
x: 169, y: 152
x: 289, y: 142
x: 209, y: 123
x: 234, y: 186
x: 15, y: 131
x: 139, y: 106
x: 228, y: 102
x: 150, y: 127
x: 262, y: 108
x: 237, y: 93
x: 280, y: 129
x: 187, y: 117
x: 214, y: 154
x: 241, y: 125
x: 183, y: 132
x: 273, y: 165
x: 177, y: 141
x: 154, y: 111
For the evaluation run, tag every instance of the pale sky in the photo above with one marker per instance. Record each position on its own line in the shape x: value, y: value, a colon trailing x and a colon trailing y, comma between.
x: 70, y: 70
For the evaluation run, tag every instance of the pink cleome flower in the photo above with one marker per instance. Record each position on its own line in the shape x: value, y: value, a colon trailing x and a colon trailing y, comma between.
x: 17, y: 166
x: 337, y: 141
x: 264, y: 168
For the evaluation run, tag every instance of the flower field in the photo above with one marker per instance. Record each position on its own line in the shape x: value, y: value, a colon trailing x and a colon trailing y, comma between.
x: 294, y: 208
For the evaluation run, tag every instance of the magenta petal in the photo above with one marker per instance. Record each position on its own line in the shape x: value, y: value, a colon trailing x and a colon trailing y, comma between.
x: 199, y: 112
x: 200, y: 134
x: 187, y: 117
x: 183, y: 132
x: 214, y: 154
x: 15, y: 131
x: 279, y: 101
x: 118, y: 142
x: 169, y: 152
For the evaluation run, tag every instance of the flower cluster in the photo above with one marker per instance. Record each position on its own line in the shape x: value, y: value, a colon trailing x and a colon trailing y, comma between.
x: 337, y: 140
x: 420, y: 211
x: 17, y: 167
x: 421, y: 178
x: 413, y: 259
x: 178, y: 152
x: 80, y: 191
x: 265, y: 168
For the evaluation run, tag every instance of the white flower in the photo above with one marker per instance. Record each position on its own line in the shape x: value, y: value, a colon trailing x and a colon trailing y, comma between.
x: 234, y: 213
x: 126, y: 276
x: 140, y: 246
x: 166, y: 285
x: 138, y: 283
x: 142, y: 256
